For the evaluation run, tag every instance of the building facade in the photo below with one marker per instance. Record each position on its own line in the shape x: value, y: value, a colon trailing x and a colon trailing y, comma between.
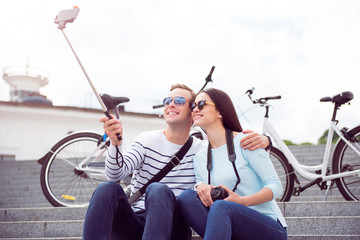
x: 29, y: 130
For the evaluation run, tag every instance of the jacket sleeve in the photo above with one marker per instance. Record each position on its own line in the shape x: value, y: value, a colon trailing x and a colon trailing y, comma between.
x: 200, y: 170
x: 260, y: 161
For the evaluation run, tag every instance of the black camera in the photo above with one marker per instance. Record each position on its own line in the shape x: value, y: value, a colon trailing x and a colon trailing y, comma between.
x: 218, y: 193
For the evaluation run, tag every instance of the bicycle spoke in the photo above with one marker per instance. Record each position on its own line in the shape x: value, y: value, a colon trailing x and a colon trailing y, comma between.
x: 63, y: 185
x: 347, y: 160
x: 284, y: 170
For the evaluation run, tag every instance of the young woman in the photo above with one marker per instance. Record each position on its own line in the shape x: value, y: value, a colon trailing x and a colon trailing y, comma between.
x: 249, y: 210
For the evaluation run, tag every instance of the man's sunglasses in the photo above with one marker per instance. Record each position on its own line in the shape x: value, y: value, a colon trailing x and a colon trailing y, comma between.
x: 200, y: 104
x: 179, y: 101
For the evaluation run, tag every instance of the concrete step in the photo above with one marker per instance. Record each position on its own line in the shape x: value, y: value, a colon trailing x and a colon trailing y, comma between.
x: 306, y: 226
x: 316, y: 199
x: 30, y: 205
x: 23, y: 200
x: 55, y: 238
x: 8, y: 194
x: 316, y: 191
x: 22, y: 180
x: 292, y: 237
x: 306, y: 220
x: 343, y: 225
x: 44, y: 214
x: 41, y: 229
x: 320, y: 209
x: 290, y: 209
x: 28, y: 167
x: 6, y: 188
x: 323, y: 237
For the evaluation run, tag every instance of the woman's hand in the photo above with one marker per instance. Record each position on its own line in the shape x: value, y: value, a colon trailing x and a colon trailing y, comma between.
x: 233, y: 197
x: 260, y: 197
x: 112, y: 127
x: 203, y: 191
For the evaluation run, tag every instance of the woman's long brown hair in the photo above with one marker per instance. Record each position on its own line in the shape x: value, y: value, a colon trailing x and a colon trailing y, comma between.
x: 226, y: 108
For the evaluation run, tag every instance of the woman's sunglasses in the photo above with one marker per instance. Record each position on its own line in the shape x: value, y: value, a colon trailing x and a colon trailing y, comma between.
x: 179, y: 101
x: 200, y: 104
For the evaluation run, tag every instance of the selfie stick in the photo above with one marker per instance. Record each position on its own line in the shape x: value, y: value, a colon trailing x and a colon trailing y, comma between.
x: 68, y: 16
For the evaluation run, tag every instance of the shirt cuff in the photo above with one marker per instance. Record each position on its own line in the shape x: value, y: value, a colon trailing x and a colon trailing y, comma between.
x: 112, y: 150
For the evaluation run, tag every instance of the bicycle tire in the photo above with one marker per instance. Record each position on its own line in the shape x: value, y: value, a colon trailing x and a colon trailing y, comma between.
x: 285, y: 172
x: 61, y: 183
x: 345, y: 159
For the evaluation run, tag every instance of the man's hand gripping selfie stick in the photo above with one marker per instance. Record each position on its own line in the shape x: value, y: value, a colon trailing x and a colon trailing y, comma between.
x: 68, y: 16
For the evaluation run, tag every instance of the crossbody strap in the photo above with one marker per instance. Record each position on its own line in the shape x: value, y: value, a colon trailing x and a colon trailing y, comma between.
x: 174, y: 161
x: 231, y: 154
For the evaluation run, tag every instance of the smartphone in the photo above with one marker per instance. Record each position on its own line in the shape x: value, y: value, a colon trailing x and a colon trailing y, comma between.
x: 66, y: 16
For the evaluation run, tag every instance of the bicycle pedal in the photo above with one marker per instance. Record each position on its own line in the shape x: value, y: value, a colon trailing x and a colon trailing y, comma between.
x: 68, y: 197
x: 297, y: 191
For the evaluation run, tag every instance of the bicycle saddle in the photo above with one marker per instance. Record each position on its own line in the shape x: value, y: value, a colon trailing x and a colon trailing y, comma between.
x: 340, y: 98
x: 111, y: 102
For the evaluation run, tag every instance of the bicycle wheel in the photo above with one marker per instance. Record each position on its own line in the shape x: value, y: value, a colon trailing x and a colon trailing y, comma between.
x: 64, y: 185
x: 285, y: 172
x: 346, y: 159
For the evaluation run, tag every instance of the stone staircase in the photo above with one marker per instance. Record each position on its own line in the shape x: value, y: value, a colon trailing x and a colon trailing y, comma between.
x: 313, y: 155
x: 26, y: 214
x: 20, y: 185
x: 306, y: 220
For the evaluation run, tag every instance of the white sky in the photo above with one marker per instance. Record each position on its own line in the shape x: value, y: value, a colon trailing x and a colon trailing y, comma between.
x: 301, y: 50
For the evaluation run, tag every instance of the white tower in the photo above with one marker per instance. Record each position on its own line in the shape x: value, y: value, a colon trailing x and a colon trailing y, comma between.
x: 25, y: 82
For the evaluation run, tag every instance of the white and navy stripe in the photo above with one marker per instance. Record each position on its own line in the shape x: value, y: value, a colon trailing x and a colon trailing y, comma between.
x: 147, y: 155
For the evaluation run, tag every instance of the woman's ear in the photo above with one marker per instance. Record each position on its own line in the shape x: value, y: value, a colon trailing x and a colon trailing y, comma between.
x: 219, y: 115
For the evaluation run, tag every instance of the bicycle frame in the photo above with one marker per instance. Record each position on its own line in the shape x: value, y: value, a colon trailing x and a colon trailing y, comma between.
x: 305, y: 170
x: 101, y: 150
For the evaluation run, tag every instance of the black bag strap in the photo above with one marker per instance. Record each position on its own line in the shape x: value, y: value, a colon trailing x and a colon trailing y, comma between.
x: 174, y: 161
x: 231, y: 154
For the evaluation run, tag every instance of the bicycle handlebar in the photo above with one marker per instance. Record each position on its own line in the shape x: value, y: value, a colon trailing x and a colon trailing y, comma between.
x: 262, y: 100
x: 207, y: 79
x: 250, y: 91
x: 273, y: 98
x: 158, y: 106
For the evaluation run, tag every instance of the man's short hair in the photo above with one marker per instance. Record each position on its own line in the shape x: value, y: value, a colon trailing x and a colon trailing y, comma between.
x: 183, y: 86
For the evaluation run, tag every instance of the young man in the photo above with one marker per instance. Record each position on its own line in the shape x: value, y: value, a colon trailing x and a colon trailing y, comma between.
x: 155, y: 215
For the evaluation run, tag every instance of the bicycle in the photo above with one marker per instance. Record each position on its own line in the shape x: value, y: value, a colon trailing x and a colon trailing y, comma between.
x: 75, y: 166
x: 345, y: 162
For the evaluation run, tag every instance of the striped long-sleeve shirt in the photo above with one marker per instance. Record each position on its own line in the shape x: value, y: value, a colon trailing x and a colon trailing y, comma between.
x: 146, y: 156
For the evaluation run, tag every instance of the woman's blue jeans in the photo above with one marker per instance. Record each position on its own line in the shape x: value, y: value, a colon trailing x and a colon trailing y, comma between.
x: 109, y: 215
x: 227, y: 220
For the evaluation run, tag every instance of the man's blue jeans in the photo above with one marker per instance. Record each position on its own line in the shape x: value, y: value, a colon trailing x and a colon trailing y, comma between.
x: 227, y: 220
x: 109, y: 215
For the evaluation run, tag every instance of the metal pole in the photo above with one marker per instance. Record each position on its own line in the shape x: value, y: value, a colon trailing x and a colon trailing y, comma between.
x: 90, y: 82
x: 86, y: 75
